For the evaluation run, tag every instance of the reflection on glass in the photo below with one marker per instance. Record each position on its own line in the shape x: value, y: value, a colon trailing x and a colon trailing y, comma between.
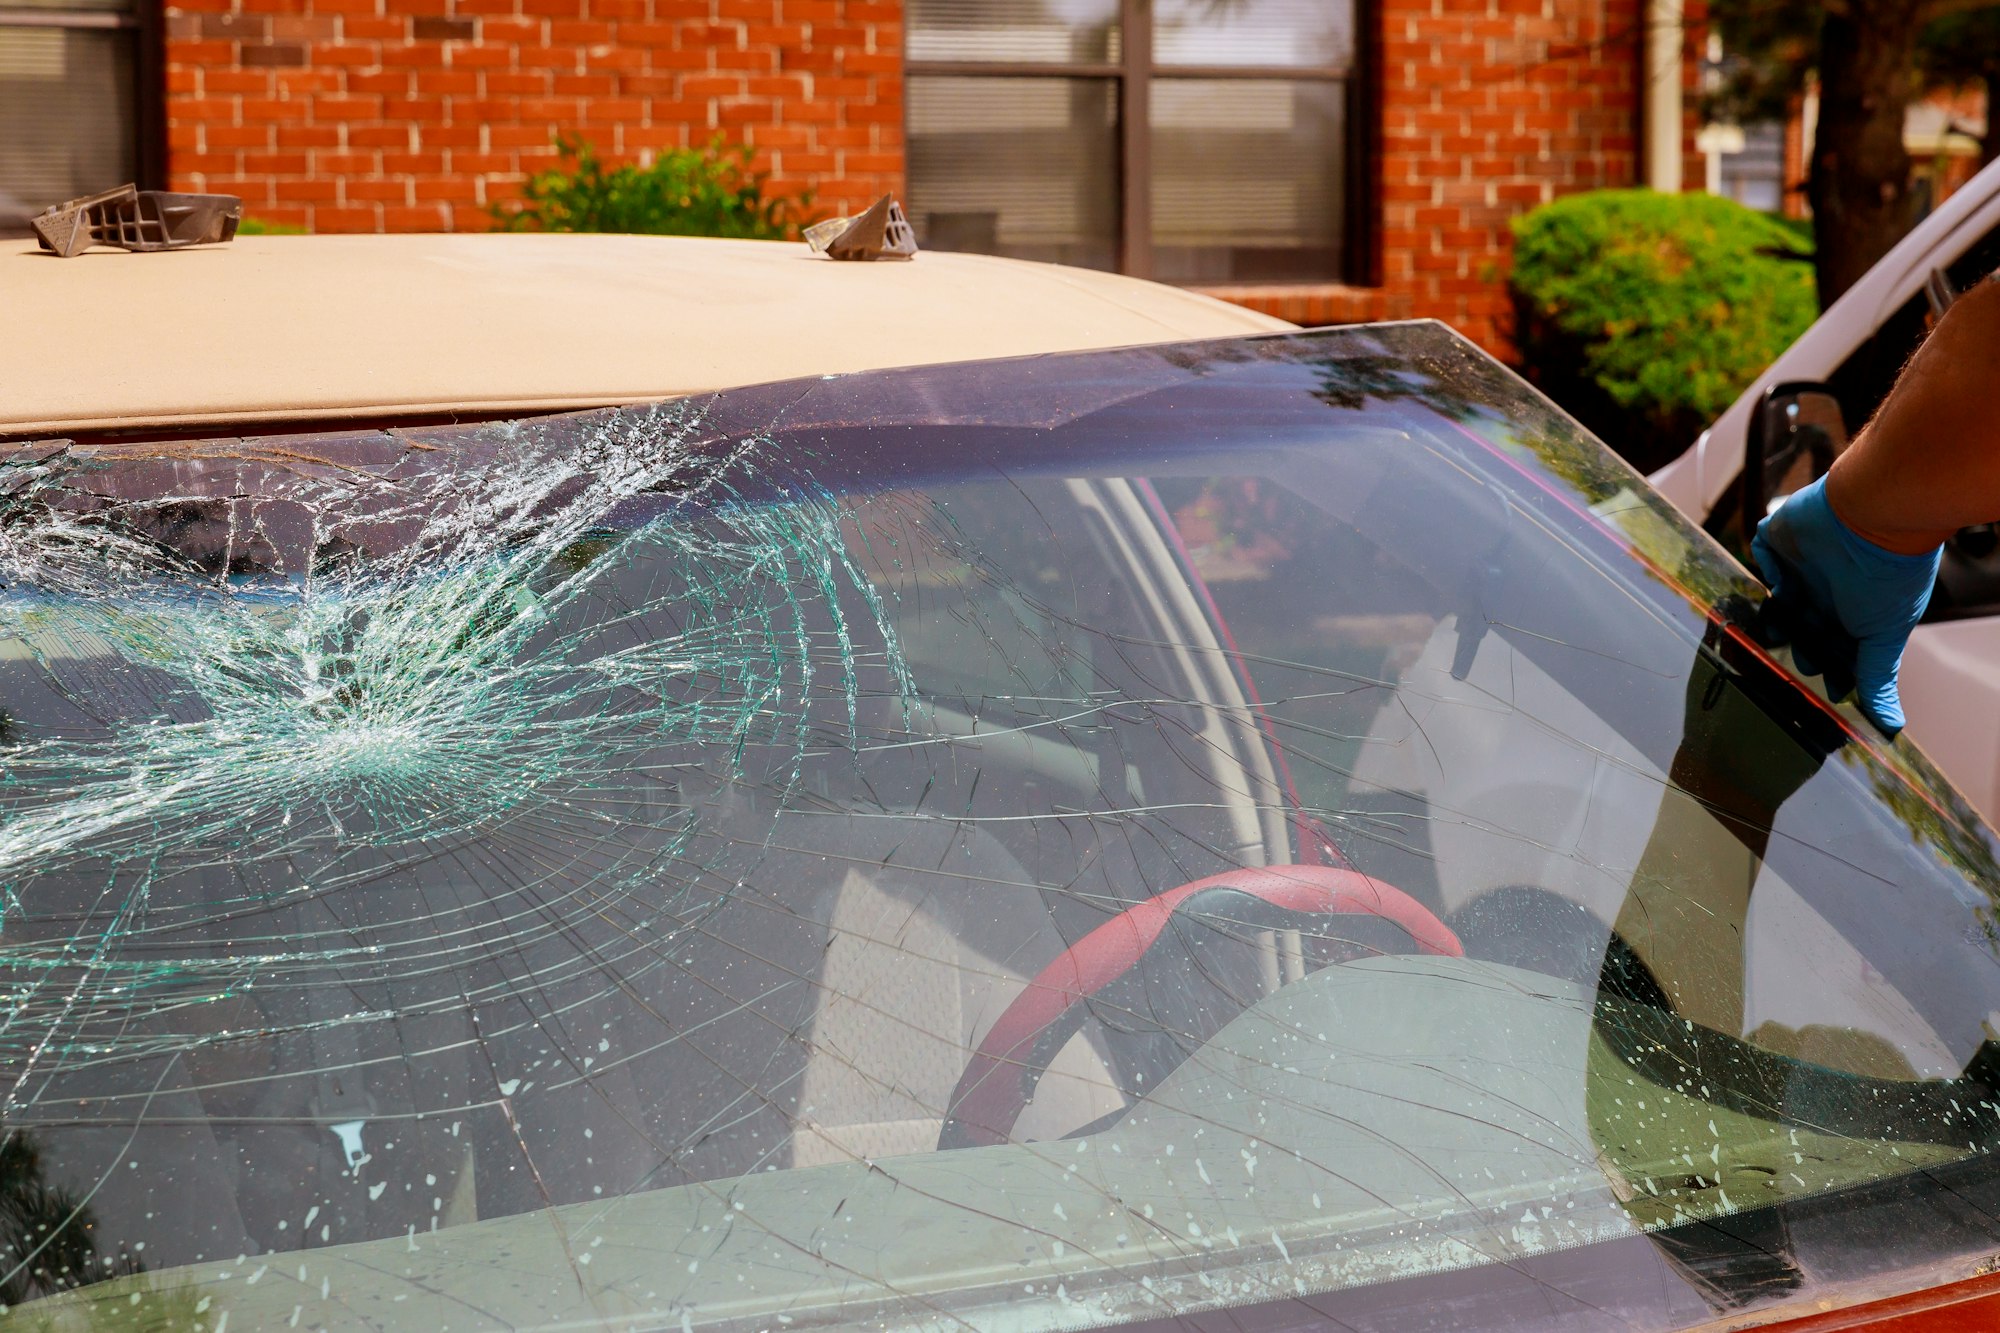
x: 1247, y: 179
x: 1278, y: 33
x: 1064, y: 31
x: 1252, y: 840
x: 1024, y: 167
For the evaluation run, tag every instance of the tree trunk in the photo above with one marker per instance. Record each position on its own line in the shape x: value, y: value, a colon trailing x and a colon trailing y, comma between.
x: 1860, y: 177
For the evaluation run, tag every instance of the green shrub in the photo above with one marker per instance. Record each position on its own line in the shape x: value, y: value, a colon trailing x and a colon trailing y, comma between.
x: 259, y: 227
x: 1645, y: 314
x: 707, y: 191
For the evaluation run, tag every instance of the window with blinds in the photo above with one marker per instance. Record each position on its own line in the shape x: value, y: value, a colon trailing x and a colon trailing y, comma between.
x: 71, y: 74
x: 1192, y: 141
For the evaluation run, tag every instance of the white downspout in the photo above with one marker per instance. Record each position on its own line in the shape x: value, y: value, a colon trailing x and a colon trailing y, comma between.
x: 1662, y: 94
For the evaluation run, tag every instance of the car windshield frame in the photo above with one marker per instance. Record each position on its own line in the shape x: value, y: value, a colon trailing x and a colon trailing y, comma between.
x: 1087, y: 571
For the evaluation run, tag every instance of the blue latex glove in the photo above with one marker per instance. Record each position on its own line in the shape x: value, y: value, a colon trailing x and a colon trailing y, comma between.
x: 1846, y: 605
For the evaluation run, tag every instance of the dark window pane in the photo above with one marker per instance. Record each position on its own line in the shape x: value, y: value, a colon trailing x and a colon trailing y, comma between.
x: 1247, y: 179
x: 66, y: 100
x: 1299, y: 33
x: 1020, y: 167
x: 1070, y: 31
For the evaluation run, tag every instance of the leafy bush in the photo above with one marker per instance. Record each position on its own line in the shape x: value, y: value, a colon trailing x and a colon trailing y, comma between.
x: 1645, y: 314
x: 259, y: 227
x: 708, y: 191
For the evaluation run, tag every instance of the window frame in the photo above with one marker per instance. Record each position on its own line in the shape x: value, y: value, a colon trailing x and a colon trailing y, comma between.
x: 1133, y: 74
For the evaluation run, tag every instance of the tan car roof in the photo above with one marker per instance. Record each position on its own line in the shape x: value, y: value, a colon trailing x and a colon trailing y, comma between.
x: 302, y: 327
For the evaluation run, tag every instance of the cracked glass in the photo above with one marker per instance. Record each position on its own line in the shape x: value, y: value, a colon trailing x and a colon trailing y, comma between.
x: 1258, y: 833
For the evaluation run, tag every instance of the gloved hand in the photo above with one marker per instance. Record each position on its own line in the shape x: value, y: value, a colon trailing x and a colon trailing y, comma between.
x: 1846, y: 605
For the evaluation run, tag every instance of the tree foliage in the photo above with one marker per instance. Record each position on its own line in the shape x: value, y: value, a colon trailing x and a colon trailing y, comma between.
x: 1645, y: 314
x: 708, y: 191
x: 47, y: 1232
x: 1873, y: 58
x: 1769, y: 47
x: 1961, y: 49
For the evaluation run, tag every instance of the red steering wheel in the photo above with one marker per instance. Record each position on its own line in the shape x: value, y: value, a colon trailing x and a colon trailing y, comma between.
x: 1001, y: 1076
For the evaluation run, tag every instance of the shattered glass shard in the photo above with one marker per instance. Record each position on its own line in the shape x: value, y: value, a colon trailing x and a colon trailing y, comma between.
x: 1265, y: 826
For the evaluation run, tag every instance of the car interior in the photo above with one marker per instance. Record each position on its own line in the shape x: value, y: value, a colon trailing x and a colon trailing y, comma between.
x: 1333, y: 857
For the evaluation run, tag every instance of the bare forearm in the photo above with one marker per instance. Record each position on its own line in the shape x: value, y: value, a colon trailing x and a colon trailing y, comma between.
x: 1928, y: 463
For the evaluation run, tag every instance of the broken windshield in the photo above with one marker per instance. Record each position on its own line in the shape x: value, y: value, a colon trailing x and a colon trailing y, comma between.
x: 1276, y: 825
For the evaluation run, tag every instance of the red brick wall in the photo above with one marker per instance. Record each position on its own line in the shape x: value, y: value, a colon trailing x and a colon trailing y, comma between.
x: 413, y: 115
x: 1489, y: 107
x: 366, y: 115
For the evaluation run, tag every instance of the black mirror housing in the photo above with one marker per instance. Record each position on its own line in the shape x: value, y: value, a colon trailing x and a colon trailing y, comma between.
x: 1795, y: 434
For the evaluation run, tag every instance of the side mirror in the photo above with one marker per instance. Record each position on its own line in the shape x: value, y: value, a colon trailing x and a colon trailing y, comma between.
x: 1795, y: 434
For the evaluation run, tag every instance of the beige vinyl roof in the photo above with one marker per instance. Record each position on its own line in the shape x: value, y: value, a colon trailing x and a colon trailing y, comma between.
x: 296, y: 328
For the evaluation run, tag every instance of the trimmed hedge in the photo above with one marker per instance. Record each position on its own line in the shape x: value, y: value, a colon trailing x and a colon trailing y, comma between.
x: 709, y: 191
x: 1645, y: 314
